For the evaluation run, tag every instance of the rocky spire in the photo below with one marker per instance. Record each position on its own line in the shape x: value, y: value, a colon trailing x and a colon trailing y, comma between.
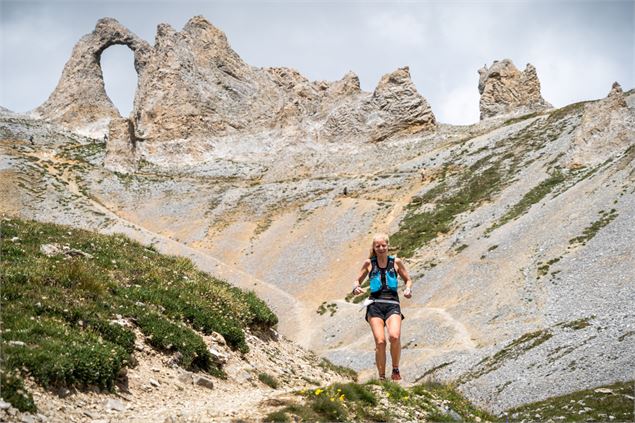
x: 505, y: 90
x: 398, y: 107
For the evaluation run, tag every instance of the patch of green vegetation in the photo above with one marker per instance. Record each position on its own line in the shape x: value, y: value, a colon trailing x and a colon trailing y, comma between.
x: 418, y: 228
x: 14, y: 392
x: 356, y: 299
x: 341, y: 370
x: 577, y: 324
x: 521, y: 118
x: 324, y: 307
x: 601, y: 404
x: 268, y: 380
x: 367, y: 402
x: 543, y: 268
x: 535, y: 195
x: 511, y: 351
x: 589, y: 232
x: 456, y: 401
x: 278, y: 417
x: 461, y: 248
x: 565, y: 111
x: 67, y: 319
x: 263, y: 225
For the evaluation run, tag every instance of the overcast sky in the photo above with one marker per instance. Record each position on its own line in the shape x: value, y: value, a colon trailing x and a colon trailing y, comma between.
x: 578, y: 47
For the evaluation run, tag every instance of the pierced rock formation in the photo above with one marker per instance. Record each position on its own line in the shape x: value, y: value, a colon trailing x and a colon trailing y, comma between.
x: 505, y: 90
x: 606, y: 129
x: 194, y: 91
x: 80, y: 101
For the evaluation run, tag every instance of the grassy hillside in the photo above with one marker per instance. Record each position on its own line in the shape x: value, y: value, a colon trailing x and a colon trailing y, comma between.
x: 69, y: 317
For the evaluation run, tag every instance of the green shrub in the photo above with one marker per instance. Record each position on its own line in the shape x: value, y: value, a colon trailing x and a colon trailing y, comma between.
x: 114, y: 333
x: 263, y: 317
x: 332, y: 410
x: 14, y: 392
x: 341, y: 370
x: 171, y: 337
x: 356, y: 392
x: 277, y: 416
x: 268, y: 380
x: 57, y: 355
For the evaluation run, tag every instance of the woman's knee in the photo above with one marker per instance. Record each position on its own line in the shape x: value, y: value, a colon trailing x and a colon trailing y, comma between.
x: 393, y: 338
x: 380, y: 343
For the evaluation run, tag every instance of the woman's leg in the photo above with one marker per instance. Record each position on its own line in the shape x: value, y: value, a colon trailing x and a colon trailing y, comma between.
x: 393, y: 323
x: 377, y: 326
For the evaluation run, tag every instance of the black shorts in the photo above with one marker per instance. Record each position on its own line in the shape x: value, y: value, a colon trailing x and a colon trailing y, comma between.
x: 383, y: 311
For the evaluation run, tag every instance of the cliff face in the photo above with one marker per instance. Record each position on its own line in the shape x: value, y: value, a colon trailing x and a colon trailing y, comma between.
x: 506, y: 90
x: 194, y: 90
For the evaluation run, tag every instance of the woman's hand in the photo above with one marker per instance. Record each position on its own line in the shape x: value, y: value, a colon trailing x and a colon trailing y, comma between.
x: 357, y: 290
x: 407, y: 292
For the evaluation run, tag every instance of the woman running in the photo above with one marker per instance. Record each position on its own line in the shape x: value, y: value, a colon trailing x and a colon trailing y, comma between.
x: 384, y: 310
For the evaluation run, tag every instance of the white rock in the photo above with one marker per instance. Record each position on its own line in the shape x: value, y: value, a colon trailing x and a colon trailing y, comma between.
x: 114, y: 405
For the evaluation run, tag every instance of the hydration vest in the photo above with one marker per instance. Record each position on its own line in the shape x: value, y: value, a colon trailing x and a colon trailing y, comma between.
x: 383, y: 278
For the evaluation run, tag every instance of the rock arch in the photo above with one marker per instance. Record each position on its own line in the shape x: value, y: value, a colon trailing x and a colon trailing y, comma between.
x: 80, y: 100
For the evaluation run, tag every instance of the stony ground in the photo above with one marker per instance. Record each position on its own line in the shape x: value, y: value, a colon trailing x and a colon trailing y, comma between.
x: 157, y: 391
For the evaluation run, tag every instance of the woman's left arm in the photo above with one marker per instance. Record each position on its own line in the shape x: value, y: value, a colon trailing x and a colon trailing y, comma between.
x: 401, y: 269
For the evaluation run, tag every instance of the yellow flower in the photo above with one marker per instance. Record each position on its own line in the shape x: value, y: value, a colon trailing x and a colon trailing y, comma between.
x: 406, y: 398
x: 388, y: 394
x: 342, y: 397
x: 302, y: 392
x: 339, y: 390
x: 318, y: 391
x: 332, y: 399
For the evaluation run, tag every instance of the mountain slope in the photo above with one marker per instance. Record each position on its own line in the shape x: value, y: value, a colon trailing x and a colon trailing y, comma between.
x: 521, y: 256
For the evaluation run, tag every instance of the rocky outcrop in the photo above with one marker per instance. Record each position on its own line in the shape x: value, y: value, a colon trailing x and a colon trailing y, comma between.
x: 398, y: 107
x: 194, y: 90
x: 394, y: 108
x: 199, y: 88
x: 121, y: 151
x: 606, y: 129
x: 80, y: 101
x: 505, y: 90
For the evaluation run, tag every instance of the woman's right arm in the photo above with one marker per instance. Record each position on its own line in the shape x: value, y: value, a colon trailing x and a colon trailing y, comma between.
x: 357, y: 289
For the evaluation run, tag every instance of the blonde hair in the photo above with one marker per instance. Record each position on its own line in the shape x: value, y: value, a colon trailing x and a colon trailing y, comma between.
x: 377, y: 237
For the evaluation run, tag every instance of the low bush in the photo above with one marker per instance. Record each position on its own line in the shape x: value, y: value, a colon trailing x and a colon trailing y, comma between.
x: 66, y: 316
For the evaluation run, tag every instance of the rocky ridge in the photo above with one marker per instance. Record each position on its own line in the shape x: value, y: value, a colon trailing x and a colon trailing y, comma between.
x: 195, y: 92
